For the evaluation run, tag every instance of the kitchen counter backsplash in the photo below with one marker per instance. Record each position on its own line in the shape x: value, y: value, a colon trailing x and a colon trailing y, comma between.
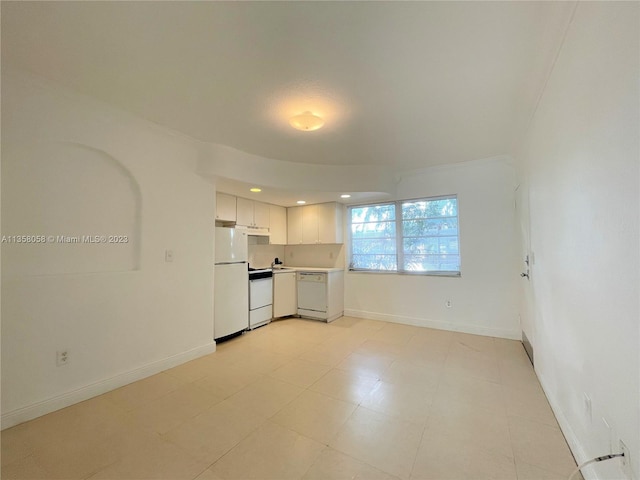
x: 261, y: 256
x: 326, y: 256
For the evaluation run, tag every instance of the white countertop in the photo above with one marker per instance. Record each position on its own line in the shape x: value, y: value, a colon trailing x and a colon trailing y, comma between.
x: 306, y: 269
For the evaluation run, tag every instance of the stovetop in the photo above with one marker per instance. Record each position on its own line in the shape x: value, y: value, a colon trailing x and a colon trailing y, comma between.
x: 258, y: 273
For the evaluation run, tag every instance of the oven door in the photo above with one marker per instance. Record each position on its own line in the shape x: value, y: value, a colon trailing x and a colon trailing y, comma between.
x: 260, y: 301
x: 260, y: 293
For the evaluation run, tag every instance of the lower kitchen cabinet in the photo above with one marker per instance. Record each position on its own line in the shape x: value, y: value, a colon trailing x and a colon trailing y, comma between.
x: 285, y: 300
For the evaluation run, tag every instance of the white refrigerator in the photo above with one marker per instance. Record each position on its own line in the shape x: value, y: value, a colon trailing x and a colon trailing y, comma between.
x: 230, y: 283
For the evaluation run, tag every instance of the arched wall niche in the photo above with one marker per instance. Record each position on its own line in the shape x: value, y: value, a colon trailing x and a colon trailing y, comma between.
x: 83, y: 202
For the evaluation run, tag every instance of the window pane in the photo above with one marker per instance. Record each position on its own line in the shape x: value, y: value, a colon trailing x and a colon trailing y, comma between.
x: 374, y: 262
x: 379, y: 245
x: 373, y: 237
x: 446, y: 207
x: 431, y: 227
x: 373, y: 230
x: 430, y: 245
x: 373, y: 213
x: 426, y: 263
x: 449, y: 245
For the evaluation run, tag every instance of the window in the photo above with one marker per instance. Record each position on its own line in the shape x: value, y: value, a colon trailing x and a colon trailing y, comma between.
x: 408, y: 236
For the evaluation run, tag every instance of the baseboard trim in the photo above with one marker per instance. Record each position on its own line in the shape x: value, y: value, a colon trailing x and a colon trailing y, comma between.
x: 437, y: 324
x: 57, y: 402
x: 575, y: 446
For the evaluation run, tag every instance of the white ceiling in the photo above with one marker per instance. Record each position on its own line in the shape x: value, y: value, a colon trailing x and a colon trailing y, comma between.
x: 408, y: 84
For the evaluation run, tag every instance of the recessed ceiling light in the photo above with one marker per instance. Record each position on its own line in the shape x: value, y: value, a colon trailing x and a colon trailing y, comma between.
x: 345, y: 195
x: 255, y: 190
x: 301, y: 202
x: 306, y: 121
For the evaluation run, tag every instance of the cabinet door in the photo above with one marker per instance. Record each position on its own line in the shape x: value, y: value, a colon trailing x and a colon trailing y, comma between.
x: 310, y: 224
x: 260, y: 215
x: 225, y: 207
x: 339, y: 224
x: 327, y: 223
x: 335, y: 295
x: 285, y: 301
x: 244, y: 212
x: 294, y: 225
x: 330, y: 223
x: 277, y: 225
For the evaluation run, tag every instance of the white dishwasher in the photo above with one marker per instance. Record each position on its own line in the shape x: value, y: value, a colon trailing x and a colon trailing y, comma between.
x: 312, y: 295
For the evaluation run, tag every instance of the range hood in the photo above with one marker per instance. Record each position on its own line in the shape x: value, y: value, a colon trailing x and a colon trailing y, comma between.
x: 254, y: 231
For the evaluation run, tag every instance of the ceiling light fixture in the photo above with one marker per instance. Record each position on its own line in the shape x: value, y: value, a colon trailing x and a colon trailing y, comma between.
x: 345, y: 195
x: 301, y: 202
x: 255, y: 190
x: 306, y: 121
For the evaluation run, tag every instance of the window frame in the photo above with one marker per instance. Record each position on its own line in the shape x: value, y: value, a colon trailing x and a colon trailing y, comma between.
x: 399, y: 237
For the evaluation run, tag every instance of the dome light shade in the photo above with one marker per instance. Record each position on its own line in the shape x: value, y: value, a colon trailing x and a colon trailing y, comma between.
x: 306, y: 121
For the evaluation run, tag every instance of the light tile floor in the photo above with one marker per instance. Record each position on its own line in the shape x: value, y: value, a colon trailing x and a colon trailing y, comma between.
x: 298, y: 399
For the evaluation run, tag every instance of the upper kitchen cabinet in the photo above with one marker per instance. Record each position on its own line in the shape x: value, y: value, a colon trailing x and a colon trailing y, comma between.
x: 313, y: 224
x: 277, y: 225
x: 310, y: 224
x: 294, y: 225
x: 225, y: 207
x: 251, y: 213
x: 261, y: 215
x: 330, y: 223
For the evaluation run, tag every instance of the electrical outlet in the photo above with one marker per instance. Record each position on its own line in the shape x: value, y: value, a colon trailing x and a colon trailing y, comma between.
x: 168, y: 256
x: 625, y: 461
x: 62, y: 358
x: 448, y: 304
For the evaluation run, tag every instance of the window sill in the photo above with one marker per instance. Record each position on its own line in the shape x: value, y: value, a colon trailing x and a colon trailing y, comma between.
x: 416, y: 274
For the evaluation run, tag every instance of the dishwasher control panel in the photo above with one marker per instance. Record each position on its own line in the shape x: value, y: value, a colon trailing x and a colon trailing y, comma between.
x: 317, y: 277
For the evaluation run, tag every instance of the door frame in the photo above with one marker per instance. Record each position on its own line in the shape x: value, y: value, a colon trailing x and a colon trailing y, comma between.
x: 527, y: 261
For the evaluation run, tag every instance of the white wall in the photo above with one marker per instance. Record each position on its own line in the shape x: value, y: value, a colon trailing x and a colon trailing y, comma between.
x: 122, y: 319
x: 484, y: 298
x: 581, y: 162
